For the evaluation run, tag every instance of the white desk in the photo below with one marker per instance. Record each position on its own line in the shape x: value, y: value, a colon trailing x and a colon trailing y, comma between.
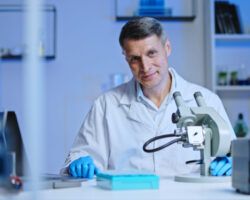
x: 169, y: 189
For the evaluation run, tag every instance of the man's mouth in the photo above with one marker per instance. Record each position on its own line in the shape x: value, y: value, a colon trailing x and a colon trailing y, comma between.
x: 148, y: 76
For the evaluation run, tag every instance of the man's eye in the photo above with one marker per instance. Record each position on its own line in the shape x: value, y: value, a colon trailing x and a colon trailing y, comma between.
x: 133, y: 59
x: 152, y: 53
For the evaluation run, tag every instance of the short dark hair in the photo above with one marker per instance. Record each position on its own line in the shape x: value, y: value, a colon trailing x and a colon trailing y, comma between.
x: 140, y: 28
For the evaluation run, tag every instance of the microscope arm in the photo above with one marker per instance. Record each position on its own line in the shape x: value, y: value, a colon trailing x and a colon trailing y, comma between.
x: 206, y: 130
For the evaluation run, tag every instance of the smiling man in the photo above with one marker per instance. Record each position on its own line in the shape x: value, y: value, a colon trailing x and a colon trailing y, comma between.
x: 124, y: 118
x: 147, y: 59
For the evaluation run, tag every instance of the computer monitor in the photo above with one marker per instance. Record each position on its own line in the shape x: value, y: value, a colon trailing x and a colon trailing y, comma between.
x: 11, y: 139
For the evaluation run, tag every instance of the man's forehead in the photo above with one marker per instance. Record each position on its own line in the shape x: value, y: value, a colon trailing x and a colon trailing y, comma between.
x: 142, y: 40
x: 137, y: 51
x: 134, y: 46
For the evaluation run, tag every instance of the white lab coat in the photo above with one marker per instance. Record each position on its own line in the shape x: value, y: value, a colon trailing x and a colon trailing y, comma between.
x: 118, y: 125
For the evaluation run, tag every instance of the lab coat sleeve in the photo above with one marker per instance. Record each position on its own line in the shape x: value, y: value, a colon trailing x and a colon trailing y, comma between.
x: 92, y: 138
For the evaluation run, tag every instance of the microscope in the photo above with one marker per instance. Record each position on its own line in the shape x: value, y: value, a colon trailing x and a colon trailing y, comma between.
x: 201, y: 128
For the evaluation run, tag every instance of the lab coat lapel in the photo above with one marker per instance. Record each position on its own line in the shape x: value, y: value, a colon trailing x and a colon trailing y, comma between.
x: 182, y: 86
x: 139, y: 113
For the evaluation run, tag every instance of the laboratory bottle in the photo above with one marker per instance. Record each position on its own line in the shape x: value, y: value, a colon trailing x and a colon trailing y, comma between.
x: 240, y: 127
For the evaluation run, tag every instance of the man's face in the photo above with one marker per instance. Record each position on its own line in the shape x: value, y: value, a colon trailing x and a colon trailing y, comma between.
x: 148, y: 60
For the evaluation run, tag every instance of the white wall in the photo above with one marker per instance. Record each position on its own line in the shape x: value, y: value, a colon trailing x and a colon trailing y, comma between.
x: 88, y: 52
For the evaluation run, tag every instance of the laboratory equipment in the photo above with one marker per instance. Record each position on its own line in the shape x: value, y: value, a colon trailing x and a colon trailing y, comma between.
x: 241, y: 165
x: 233, y: 78
x: 5, y: 167
x: 201, y: 128
x: 151, y: 8
x: 221, y: 166
x: 11, y: 148
x: 127, y: 180
x: 240, y: 128
x: 12, y: 140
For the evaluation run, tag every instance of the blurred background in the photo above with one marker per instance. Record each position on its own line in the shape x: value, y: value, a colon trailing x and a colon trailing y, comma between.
x: 82, y: 58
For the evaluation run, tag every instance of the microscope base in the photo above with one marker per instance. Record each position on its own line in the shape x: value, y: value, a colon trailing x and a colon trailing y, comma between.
x: 197, y: 178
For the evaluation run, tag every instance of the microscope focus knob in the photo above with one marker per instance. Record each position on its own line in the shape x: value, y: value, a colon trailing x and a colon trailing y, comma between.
x: 175, y: 118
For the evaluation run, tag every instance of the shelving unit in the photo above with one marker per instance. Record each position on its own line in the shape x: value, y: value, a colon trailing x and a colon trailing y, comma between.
x: 230, y: 51
x: 244, y: 88
x: 20, y: 56
x: 232, y: 37
x: 12, y: 47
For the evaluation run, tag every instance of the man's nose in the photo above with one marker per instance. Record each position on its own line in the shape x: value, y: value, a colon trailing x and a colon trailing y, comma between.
x: 145, y: 64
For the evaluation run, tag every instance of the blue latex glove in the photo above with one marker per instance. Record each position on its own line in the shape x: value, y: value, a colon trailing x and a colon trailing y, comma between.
x: 221, y: 166
x: 83, y: 167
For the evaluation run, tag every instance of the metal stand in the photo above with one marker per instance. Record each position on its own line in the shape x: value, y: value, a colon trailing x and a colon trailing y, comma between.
x: 204, y: 176
x: 206, y: 153
x: 197, y: 178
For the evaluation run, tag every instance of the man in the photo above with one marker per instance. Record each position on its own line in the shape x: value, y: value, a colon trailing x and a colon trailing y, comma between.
x: 124, y: 118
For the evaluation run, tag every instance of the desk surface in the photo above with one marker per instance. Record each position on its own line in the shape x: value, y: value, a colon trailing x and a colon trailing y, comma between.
x: 169, y: 189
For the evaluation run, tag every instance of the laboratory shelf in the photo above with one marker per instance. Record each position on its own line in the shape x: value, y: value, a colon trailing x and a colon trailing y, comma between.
x: 233, y: 88
x: 20, y: 57
x: 162, y: 18
x: 232, y: 37
x: 14, y: 49
x: 228, y: 51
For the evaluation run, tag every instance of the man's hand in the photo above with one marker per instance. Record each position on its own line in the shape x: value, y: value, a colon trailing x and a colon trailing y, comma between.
x: 221, y: 166
x: 83, y: 167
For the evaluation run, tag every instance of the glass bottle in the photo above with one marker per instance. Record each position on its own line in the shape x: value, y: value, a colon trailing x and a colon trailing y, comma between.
x: 240, y: 127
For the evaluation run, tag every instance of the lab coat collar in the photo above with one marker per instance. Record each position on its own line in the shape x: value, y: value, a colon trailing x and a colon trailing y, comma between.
x: 178, y: 84
x: 129, y: 94
x: 181, y: 85
x: 129, y: 98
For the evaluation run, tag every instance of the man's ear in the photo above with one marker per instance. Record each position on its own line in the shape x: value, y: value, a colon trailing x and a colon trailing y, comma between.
x: 168, y: 47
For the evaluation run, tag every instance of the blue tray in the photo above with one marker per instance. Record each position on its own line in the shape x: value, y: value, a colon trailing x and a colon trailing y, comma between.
x: 114, y: 180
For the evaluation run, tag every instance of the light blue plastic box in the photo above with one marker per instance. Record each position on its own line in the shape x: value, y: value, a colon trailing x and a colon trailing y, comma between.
x: 127, y: 181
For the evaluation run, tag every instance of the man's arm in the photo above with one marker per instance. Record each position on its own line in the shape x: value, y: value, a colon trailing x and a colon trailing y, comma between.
x: 91, y: 142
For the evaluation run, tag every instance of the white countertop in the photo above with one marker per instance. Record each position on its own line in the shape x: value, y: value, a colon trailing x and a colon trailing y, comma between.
x: 169, y: 189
